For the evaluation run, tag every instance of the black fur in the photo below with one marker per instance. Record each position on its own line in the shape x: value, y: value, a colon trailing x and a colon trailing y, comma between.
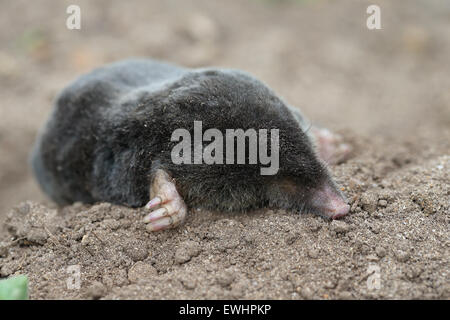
x: 111, y: 129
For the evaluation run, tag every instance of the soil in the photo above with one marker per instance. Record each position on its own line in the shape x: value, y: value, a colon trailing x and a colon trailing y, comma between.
x: 385, y: 91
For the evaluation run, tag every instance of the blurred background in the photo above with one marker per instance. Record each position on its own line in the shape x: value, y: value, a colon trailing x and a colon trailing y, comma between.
x: 389, y: 85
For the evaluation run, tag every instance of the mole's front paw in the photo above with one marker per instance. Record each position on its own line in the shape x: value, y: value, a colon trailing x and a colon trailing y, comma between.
x: 330, y: 146
x: 170, y: 207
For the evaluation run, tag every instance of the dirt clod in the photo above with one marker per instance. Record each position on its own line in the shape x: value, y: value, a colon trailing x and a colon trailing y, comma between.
x: 96, y: 290
x: 381, y: 251
x: 339, y: 226
x: 402, y: 256
x: 186, y: 251
x: 225, y: 278
x: 141, y: 271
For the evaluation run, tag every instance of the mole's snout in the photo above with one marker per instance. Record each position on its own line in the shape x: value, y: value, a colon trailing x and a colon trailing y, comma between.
x: 330, y: 202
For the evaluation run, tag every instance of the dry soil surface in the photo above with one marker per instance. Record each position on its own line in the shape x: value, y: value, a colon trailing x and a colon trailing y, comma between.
x: 385, y: 91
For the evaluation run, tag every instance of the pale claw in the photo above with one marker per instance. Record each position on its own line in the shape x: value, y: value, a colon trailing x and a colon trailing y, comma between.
x: 155, y: 215
x: 161, y: 224
x: 153, y: 203
x: 164, y: 220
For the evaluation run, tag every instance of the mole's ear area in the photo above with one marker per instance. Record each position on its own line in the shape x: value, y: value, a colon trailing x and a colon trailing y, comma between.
x: 285, y: 193
x: 287, y: 186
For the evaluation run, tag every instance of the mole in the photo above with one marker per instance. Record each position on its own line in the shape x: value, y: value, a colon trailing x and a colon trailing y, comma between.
x: 111, y: 137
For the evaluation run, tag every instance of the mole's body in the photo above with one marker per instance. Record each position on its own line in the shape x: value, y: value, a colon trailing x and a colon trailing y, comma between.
x: 109, y: 139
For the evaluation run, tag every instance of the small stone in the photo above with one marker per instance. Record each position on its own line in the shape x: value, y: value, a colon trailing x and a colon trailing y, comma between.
x: 375, y: 228
x: 8, y: 269
x: 345, y: 295
x: 339, y: 226
x: 187, y: 251
x: 3, y: 249
x: 96, y: 290
x: 425, y: 203
x: 380, y: 251
x: 210, y: 267
x: 306, y: 293
x: 136, y: 250
x: 313, y: 253
x: 330, y: 284
x: 291, y: 239
x: 372, y: 257
x: 413, y: 272
x: 238, y: 289
x: 111, y: 224
x: 225, y: 278
x: 444, y: 291
x: 85, y: 240
x: 189, y: 283
x: 37, y: 235
x: 402, y: 256
x: 369, y: 202
x: 377, y: 215
x: 115, y: 278
x: 141, y: 271
x: 382, y: 203
x: 108, y: 280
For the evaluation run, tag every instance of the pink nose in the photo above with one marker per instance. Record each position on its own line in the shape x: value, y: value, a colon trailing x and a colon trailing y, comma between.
x: 340, y: 211
x: 330, y: 203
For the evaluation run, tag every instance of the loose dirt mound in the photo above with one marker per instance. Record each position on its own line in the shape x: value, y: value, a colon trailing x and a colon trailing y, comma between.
x: 394, y: 245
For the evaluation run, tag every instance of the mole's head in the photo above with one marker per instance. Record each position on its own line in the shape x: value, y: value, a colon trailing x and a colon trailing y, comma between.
x: 307, y: 187
x: 233, y: 100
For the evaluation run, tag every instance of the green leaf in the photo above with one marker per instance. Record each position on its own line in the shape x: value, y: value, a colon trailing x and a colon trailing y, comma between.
x: 14, y: 288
